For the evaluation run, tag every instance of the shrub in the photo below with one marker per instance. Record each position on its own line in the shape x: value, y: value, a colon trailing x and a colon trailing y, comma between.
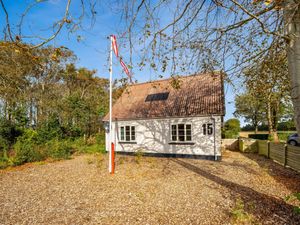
x: 229, y: 134
x: 26, y: 148
x: 138, y: 155
x: 8, y: 133
x: 5, y: 161
x: 259, y: 136
x: 233, y: 125
x: 100, y: 138
x: 283, y: 136
x: 57, y: 149
x: 71, y: 132
x: 4, y: 145
x: 231, y: 128
x: 91, y: 140
x: 49, y: 130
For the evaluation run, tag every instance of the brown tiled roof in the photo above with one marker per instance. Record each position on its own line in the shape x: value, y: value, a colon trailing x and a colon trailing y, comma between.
x: 198, y: 95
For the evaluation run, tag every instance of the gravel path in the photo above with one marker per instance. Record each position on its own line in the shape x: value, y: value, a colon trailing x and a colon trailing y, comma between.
x: 242, y: 189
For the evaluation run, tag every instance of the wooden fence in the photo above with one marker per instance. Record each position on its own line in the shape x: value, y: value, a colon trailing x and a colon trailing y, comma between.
x: 286, y: 155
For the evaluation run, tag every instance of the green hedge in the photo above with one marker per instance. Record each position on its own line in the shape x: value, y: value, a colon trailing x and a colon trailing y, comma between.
x: 259, y: 136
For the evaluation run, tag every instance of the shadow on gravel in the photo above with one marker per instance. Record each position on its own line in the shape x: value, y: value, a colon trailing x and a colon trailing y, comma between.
x: 268, y: 209
x: 286, y: 176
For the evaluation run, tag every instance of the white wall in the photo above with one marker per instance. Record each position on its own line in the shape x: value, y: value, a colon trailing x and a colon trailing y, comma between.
x: 154, y: 135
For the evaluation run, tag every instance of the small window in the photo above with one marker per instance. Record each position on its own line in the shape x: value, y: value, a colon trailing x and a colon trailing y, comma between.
x: 127, y: 133
x: 157, y: 97
x: 181, y: 132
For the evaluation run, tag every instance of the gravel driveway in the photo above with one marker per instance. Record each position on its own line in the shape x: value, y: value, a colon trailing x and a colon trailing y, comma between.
x: 242, y: 189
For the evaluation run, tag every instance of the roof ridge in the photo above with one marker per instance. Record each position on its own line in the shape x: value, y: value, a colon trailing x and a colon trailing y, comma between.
x: 179, y: 76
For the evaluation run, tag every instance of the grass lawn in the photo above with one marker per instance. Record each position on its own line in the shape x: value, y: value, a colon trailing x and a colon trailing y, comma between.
x: 241, y: 189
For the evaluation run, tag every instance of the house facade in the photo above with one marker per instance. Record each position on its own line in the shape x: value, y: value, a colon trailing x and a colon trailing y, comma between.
x: 181, y: 117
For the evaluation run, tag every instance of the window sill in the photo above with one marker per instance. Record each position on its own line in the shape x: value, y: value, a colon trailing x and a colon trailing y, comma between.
x: 181, y: 143
x: 127, y: 142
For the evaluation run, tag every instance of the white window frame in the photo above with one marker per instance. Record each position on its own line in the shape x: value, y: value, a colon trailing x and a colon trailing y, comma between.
x: 130, y: 133
x: 185, y: 135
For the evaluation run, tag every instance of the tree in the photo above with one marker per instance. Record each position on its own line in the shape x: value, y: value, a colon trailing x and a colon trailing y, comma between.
x: 193, y: 35
x: 208, y: 35
x: 251, y: 108
x: 268, y: 81
x: 43, y: 89
x: 231, y: 128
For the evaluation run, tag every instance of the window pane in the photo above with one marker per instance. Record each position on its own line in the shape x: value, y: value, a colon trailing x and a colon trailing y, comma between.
x: 174, y: 132
x: 127, y: 133
x: 188, y: 132
x: 122, y: 134
x: 188, y: 137
x: 133, y: 133
x: 181, y: 132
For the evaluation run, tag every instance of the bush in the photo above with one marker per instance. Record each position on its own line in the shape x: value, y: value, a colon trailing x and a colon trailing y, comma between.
x: 30, y: 147
x: 26, y: 148
x: 4, y: 145
x: 71, y: 132
x: 100, y: 138
x: 8, y: 133
x: 231, y: 128
x: 91, y: 140
x: 49, y: 130
x: 259, y: 136
x: 229, y: 134
x: 94, y: 144
x: 283, y: 136
x: 5, y: 161
x: 57, y: 149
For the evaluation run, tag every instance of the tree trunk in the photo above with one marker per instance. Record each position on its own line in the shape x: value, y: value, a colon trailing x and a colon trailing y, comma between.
x: 30, y: 113
x: 5, y: 109
x: 271, y: 123
x: 256, y: 129
x: 292, y: 24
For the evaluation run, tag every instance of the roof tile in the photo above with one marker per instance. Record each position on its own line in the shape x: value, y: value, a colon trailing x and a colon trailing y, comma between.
x: 198, y: 95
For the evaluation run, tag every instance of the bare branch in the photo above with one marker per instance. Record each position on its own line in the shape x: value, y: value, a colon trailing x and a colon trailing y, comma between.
x: 60, y: 26
x: 258, y: 20
x: 7, y: 21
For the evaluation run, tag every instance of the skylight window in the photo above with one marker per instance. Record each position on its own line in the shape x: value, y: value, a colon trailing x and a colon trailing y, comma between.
x: 157, y: 97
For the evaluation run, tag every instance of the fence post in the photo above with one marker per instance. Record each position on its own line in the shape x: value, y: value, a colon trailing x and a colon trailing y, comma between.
x: 269, y: 149
x: 285, y: 154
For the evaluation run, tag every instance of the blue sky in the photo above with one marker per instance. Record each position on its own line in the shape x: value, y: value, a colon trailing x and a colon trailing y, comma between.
x: 92, y: 50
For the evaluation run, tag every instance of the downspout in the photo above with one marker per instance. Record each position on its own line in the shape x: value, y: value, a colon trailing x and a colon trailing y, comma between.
x: 215, y: 147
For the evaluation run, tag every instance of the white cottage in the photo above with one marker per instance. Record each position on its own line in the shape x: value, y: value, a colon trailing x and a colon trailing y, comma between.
x: 158, y: 119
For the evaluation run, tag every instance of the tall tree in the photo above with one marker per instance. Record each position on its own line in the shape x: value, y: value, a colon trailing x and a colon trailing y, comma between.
x: 250, y: 107
x: 268, y: 81
x: 207, y: 35
x: 46, y: 86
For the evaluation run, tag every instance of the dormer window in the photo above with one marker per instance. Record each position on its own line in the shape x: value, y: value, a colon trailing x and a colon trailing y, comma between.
x: 157, y: 97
